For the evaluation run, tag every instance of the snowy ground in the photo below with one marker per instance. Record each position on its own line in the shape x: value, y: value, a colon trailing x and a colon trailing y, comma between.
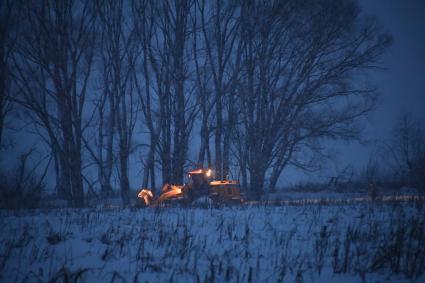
x: 333, y: 194
x: 371, y: 242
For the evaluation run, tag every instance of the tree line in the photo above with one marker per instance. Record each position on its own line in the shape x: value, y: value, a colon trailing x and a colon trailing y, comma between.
x: 247, y: 87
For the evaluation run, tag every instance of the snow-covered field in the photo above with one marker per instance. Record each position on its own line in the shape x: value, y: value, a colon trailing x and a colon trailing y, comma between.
x: 372, y: 242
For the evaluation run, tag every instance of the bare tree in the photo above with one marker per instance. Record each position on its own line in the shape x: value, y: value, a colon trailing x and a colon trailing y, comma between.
x: 371, y: 175
x: 53, y: 62
x: 408, y: 151
x: 23, y: 186
x: 9, y: 17
x: 100, y: 141
x: 120, y: 52
x: 299, y: 61
x: 220, y: 25
x: 149, y: 86
x: 183, y: 112
x: 169, y: 57
x: 206, y: 102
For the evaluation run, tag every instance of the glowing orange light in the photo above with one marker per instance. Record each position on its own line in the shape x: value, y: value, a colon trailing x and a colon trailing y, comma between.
x: 146, y: 195
x: 209, y: 173
x: 199, y: 171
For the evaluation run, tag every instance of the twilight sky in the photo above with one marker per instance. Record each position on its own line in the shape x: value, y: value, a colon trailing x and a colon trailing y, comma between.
x: 401, y: 85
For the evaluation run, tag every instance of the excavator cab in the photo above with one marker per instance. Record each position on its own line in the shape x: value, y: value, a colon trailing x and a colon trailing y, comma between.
x: 198, y: 185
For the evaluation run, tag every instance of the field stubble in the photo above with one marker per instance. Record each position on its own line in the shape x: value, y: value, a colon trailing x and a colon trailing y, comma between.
x: 303, y: 243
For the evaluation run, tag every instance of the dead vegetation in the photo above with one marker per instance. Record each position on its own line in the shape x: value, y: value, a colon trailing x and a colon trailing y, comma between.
x: 244, y: 244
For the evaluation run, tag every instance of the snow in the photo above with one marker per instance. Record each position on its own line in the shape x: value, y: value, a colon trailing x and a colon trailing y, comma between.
x: 333, y: 194
x: 373, y: 241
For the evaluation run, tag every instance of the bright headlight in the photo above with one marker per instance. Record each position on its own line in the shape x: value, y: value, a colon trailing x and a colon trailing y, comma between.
x: 209, y: 173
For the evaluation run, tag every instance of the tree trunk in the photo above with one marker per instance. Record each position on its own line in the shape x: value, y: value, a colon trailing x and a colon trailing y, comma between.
x: 77, y: 181
x: 180, y: 134
x: 166, y: 140
x: 150, y: 166
x: 257, y: 182
x: 218, y: 138
x: 124, y: 181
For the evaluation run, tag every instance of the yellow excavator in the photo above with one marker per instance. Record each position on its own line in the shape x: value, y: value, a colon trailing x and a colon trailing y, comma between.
x: 200, y: 186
